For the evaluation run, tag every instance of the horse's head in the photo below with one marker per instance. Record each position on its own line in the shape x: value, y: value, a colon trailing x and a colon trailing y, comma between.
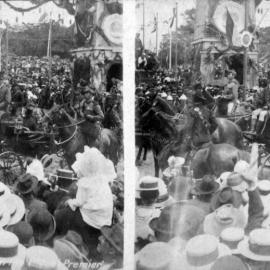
x: 57, y: 115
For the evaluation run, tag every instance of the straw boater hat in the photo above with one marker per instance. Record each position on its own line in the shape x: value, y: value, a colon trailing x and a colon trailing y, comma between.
x: 155, y: 256
x: 4, y: 216
x: 201, y: 253
x: 164, y: 199
x: 148, y: 183
x: 224, y: 217
x: 257, y: 246
x: 40, y: 258
x: 16, y: 208
x: 231, y: 237
x: 66, y: 250
x: 11, y: 250
x: 237, y: 182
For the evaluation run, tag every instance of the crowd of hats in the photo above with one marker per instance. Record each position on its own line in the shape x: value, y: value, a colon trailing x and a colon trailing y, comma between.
x: 25, y: 230
x: 222, y: 224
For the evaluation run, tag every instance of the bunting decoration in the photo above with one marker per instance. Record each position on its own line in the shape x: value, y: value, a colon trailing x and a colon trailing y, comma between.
x: 173, y: 18
x: 155, y: 25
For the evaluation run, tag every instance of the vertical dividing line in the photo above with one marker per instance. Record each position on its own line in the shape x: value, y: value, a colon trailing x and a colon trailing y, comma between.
x: 129, y: 27
x: 246, y: 50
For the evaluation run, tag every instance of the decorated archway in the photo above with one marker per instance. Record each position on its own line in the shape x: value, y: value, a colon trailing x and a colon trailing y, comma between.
x: 218, y: 35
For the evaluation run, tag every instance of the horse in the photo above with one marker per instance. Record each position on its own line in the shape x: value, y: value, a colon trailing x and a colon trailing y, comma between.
x: 73, y: 140
x: 167, y: 136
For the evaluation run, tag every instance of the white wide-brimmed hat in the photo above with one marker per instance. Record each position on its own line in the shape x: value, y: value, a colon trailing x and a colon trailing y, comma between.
x: 16, y: 208
x: 231, y: 237
x: 224, y: 217
x: 4, y: 215
x: 11, y: 251
x: 36, y: 169
x: 201, y: 252
x: 93, y: 163
x: 154, y: 256
x: 40, y: 258
x: 257, y: 246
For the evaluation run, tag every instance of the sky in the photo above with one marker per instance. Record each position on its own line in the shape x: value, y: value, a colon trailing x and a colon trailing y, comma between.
x: 17, y: 18
x: 164, y: 8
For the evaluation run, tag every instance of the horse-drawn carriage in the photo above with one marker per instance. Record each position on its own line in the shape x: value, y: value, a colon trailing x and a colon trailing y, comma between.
x: 17, y: 144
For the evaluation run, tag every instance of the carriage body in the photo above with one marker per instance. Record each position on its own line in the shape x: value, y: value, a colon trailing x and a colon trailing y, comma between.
x: 19, y: 143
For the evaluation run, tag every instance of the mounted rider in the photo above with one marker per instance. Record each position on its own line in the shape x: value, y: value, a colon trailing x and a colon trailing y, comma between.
x: 262, y: 102
x: 201, y: 122
x: 5, y: 95
x: 231, y: 92
x: 92, y: 113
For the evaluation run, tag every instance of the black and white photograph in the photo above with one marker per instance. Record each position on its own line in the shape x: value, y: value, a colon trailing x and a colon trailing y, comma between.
x: 61, y: 135
x: 202, y: 135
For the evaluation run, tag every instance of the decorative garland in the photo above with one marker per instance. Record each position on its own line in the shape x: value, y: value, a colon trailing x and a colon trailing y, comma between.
x: 25, y: 9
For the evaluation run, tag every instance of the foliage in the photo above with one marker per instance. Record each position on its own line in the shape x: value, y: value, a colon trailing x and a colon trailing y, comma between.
x: 34, y: 40
x: 183, y: 38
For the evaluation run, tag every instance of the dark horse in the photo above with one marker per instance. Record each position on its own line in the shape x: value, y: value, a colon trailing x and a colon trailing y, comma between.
x: 73, y: 141
x: 167, y: 137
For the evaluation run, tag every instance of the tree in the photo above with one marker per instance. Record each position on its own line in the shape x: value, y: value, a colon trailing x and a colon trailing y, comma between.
x: 183, y: 38
x: 34, y: 40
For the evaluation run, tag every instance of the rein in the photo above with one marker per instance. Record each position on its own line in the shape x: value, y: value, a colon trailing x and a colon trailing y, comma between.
x: 72, y: 125
x: 68, y: 139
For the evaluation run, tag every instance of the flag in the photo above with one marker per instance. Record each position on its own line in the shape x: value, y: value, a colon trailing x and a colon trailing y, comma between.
x: 173, y: 18
x: 155, y: 25
x: 43, y: 18
x: 229, y: 28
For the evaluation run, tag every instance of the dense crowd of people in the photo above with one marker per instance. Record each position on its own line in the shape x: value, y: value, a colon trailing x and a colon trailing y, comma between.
x: 54, y: 216
x: 217, y: 222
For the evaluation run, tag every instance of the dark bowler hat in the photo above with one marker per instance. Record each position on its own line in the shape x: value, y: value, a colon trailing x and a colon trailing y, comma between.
x: 26, y: 183
x: 43, y: 224
x: 206, y: 186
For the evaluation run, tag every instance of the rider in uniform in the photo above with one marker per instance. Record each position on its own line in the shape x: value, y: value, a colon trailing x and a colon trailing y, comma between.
x: 231, y: 92
x: 201, y: 122
x: 5, y: 95
x: 91, y: 111
x: 262, y: 101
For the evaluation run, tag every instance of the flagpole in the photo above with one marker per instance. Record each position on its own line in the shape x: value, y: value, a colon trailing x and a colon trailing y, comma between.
x: 170, y: 54
x: 157, y: 34
x: 245, y: 67
x: 1, y: 35
x: 143, y: 24
x: 7, y: 48
x: 49, y: 50
x: 176, y: 24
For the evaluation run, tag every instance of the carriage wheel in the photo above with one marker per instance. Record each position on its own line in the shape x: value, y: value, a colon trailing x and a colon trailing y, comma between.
x: 11, y: 166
